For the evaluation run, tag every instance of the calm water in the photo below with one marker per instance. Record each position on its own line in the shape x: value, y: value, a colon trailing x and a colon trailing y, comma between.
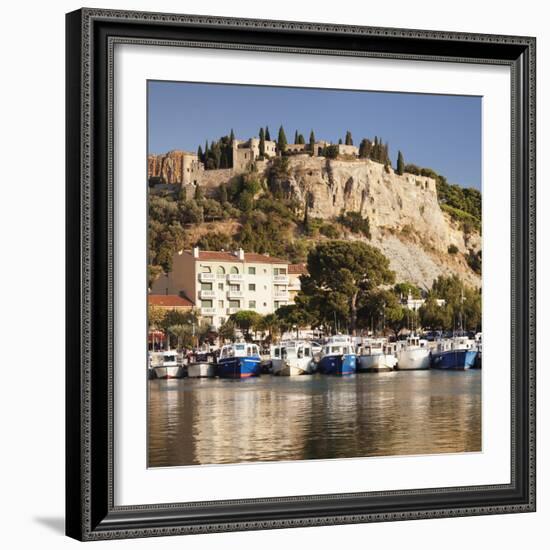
x: 193, y: 421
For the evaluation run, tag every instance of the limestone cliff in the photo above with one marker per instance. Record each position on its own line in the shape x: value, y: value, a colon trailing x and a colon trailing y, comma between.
x: 406, y: 221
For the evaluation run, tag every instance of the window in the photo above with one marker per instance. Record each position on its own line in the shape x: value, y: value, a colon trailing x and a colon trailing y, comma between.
x: 206, y: 269
x: 206, y: 286
x: 252, y: 271
x: 252, y: 304
x: 234, y: 270
x: 234, y: 288
x: 220, y: 270
x: 206, y: 303
x: 252, y: 287
x: 279, y: 271
x: 234, y: 303
x: 220, y: 286
x: 220, y: 304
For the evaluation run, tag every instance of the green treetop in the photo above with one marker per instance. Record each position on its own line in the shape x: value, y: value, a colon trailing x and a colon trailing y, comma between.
x: 400, y: 163
x: 349, y: 139
x: 281, y: 140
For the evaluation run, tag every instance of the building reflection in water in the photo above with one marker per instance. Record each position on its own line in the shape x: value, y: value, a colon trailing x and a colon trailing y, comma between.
x: 269, y: 418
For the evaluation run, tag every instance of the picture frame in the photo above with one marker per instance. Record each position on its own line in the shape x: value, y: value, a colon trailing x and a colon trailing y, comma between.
x: 91, y: 513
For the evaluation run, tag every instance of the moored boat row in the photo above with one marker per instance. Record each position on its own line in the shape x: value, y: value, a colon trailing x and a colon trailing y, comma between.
x: 341, y: 355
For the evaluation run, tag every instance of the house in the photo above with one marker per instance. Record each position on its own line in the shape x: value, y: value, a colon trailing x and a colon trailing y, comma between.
x: 222, y: 282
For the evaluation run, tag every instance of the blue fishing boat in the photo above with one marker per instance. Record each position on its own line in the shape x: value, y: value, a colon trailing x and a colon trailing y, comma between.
x: 458, y: 353
x: 240, y: 360
x: 338, y: 357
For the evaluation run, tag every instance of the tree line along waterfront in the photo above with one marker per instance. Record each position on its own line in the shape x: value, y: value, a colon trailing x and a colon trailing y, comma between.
x: 348, y: 288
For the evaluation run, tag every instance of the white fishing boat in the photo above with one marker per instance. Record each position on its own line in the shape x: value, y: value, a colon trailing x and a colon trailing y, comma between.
x: 292, y: 358
x: 201, y: 369
x: 414, y: 354
x: 376, y: 355
x: 166, y: 365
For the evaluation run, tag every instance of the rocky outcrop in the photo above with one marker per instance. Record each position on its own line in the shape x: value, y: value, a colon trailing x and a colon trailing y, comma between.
x: 406, y: 221
x: 166, y: 168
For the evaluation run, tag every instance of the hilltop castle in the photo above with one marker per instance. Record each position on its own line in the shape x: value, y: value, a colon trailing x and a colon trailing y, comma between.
x: 186, y: 170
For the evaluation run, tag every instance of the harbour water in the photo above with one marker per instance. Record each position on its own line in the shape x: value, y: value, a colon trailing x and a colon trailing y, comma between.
x: 269, y: 418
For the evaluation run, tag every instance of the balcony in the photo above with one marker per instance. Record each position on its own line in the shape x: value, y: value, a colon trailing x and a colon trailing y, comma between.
x: 208, y: 310
x: 280, y: 295
x: 235, y: 294
x: 280, y: 279
x: 207, y: 277
x: 231, y: 310
x: 235, y: 278
x: 207, y: 294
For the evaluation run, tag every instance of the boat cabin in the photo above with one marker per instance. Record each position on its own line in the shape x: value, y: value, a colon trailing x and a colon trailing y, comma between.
x: 243, y: 349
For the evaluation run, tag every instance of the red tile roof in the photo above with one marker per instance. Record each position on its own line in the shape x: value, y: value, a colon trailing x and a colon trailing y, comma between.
x: 224, y: 256
x: 297, y: 269
x: 168, y: 300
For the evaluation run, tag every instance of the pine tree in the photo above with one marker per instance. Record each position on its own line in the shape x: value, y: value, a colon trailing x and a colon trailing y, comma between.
x: 281, y: 141
x: 349, y: 139
x: 267, y: 136
x: 312, y: 143
x: 262, y: 142
x: 400, y: 163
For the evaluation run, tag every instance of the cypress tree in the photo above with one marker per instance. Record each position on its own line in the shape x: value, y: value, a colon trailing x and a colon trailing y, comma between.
x: 349, y: 139
x: 281, y: 141
x: 199, y: 154
x: 312, y: 142
x: 400, y: 163
x: 296, y: 137
x: 267, y: 136
x: 301, y: 139
x: 262, y: 142
x: 340, y: 141
x: 231, y: 137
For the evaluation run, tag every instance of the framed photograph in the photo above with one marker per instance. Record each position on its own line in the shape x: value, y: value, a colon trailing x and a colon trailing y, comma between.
x: 300, y: 274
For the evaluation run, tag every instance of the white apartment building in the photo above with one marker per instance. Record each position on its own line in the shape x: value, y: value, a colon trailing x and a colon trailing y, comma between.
x: 221, y: 283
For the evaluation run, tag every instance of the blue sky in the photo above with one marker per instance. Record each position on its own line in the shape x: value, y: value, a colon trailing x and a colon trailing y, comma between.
x: 437, y: 131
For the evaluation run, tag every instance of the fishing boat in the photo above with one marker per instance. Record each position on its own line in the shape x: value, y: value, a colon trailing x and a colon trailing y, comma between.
x: 338, y: 356
x: 414, y: 354
x: 459, y: 352
x: 241, y: 360
x: 376, y: 355
x: 166, y: 365
x: 292, y: 358
x: 201, y: 369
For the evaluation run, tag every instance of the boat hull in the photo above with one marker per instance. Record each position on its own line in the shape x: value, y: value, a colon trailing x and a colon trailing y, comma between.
x: 376, y: 363
x: 239, y: 367
x: 338, y: 365
x: 413, y: 359
x: 201, y: 370
x: 292, y: 368
x: 461, y: 359
x: 165, y: 373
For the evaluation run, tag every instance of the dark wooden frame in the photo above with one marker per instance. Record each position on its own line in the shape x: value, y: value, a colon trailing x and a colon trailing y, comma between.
x: 91, y: 35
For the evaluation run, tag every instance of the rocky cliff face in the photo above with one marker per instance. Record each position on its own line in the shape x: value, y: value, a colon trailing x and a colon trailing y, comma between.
x: 168, y: 168
x: 406, y: 222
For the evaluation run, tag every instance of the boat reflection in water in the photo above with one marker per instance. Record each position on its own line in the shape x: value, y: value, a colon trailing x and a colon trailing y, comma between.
x: 271, y: 418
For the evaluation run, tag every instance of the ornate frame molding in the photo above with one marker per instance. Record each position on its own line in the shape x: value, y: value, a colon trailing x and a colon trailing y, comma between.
x: 91, y: 36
